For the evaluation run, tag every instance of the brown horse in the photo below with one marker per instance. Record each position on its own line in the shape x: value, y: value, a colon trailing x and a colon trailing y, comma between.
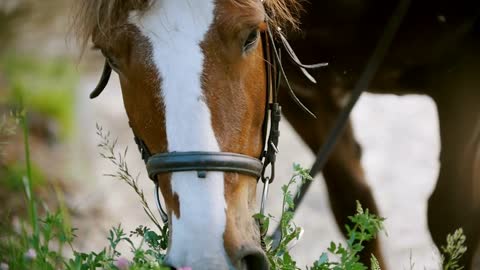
x: 193, y: 79
x: 435, y: 53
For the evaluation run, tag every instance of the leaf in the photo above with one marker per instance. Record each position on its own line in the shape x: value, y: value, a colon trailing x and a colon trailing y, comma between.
x: 375, y: 265
x: 323, y: 258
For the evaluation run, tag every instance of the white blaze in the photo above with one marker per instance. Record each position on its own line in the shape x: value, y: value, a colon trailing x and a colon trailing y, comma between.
x: 175, y: 29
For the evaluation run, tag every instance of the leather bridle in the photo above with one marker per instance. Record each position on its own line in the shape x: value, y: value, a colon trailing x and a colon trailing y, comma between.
x: 262, y: 167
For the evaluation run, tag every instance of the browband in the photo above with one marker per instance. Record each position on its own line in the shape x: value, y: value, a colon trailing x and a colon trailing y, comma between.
x: 203, y: 162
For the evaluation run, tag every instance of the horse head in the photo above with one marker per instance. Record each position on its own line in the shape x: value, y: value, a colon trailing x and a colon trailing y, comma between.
x: 196, y: 88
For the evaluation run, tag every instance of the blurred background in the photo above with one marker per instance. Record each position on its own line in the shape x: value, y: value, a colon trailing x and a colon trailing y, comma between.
x: 41, y: 68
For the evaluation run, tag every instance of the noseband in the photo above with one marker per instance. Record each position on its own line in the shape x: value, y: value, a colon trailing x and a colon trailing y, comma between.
x: 262, y: 167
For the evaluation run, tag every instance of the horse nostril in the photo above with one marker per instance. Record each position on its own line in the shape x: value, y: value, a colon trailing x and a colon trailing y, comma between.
x: 253, y: 261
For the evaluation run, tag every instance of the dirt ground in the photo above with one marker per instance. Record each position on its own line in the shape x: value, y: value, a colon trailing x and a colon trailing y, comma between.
x: 401, y: 147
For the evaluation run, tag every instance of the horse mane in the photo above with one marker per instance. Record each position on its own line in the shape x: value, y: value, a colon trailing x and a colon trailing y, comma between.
x: 102, y: 15
x: 283, y: 13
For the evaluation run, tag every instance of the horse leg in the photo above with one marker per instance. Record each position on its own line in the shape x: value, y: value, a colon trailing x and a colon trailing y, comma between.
x: 455, y: 202
x: 450, y: 208
x: 343, y: 172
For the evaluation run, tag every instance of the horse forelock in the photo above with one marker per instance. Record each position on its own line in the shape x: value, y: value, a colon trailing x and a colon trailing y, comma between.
x: 284, y: 13
x: 104, y: 15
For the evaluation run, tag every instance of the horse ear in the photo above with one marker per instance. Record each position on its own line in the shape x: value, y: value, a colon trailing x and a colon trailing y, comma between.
x: 102, y: 83
x: 97, y: 37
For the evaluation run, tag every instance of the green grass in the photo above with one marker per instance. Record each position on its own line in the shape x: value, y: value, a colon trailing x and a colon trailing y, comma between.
x: 39, y: 243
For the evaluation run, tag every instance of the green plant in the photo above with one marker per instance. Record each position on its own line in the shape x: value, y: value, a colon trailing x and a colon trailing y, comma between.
x: 39, y: 243
x: 365, y: 228
x: 45, y: 87
x: 11, y: 175
x: 32, y: 208
x: 30, y: 246
x: 453, y: 252
x: 122, y: 173
x: 109, y: 258
x: 8, y: 125
x: 278, y: 253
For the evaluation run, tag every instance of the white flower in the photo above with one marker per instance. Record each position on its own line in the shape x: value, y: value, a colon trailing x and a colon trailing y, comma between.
x: 4, y: 266
x: 30, y: 255
x: 122, y: 263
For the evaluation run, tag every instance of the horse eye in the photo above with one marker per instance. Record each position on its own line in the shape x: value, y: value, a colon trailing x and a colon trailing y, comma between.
x: 251, y: 40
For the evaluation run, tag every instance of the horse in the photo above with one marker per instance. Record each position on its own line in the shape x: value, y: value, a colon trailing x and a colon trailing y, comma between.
x: 197, y: 80
x: 194, y: 77
x: 434, y: 53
